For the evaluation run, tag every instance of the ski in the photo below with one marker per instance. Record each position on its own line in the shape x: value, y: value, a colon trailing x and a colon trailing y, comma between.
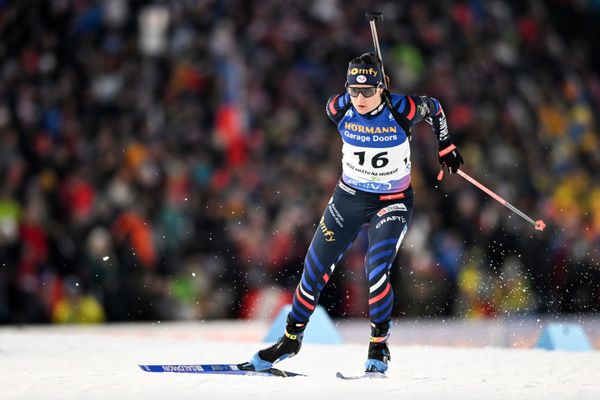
x: 220, y: 369
x: 366, y: 375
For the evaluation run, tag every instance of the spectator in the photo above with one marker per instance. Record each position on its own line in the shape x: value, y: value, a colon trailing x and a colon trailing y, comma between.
x: 183, y: 137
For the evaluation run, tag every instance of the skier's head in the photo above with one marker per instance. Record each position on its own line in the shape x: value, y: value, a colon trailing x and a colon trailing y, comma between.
x: 364, y: 70
x: 364, y: 82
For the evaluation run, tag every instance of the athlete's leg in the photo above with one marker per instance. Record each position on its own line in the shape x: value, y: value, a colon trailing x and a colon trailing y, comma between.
x: 339, y: 225
x: 386, y: 231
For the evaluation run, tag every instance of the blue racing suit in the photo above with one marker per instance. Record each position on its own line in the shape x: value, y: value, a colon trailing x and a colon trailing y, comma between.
x: 375, y: 190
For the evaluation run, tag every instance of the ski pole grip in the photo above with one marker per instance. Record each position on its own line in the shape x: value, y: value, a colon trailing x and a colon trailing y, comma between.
x: 374, y: 16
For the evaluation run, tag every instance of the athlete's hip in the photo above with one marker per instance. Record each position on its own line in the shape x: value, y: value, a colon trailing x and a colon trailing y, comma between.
x: 377, y: 197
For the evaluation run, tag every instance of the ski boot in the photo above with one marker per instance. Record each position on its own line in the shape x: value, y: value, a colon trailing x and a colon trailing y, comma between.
x: 379, y: 353
x: 287, y: 346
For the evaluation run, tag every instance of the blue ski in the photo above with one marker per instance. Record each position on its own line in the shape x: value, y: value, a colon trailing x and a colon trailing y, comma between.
x: 222, y: 369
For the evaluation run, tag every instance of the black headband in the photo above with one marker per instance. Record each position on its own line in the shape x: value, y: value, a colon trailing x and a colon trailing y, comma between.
x: 363, y: 74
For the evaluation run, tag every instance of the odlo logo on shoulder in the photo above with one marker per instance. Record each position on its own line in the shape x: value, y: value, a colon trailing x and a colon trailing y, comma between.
x: 329, y: 234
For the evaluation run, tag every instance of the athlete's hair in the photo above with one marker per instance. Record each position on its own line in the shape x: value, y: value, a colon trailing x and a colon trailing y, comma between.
x: 366, y: 58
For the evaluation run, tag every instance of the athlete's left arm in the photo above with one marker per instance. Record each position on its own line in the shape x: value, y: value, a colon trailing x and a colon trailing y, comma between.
x: 418, y: 108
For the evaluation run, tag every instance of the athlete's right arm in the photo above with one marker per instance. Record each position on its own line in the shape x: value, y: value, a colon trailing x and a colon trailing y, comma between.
x: 337, y: 106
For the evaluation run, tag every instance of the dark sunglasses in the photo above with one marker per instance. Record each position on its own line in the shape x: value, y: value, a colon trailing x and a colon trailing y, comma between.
x: 365, y: 91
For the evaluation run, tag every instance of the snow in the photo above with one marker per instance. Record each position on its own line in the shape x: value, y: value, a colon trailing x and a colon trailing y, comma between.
x: 100, y: 362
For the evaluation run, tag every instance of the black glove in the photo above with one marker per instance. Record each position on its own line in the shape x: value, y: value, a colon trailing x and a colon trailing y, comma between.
x: 448, y: 155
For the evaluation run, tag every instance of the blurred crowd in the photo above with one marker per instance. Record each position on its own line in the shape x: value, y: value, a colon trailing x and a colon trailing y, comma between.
x: 170, y: 159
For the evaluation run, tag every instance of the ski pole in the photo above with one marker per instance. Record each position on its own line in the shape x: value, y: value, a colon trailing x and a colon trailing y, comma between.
x: 372, y: 17
x: 538, y: 225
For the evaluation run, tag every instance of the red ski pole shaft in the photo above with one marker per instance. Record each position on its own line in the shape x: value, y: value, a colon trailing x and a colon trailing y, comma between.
x: 538, y: 225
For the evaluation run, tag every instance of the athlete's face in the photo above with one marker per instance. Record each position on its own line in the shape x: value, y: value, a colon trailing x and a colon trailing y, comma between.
x: 365, y: 98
